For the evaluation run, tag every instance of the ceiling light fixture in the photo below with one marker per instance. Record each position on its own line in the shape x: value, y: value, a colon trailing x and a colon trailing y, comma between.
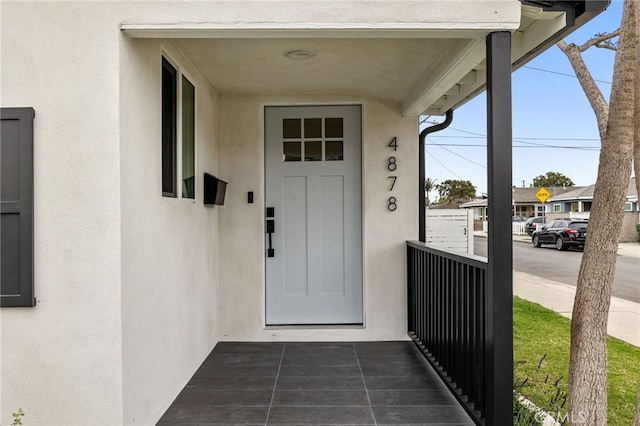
x: 299, y: 54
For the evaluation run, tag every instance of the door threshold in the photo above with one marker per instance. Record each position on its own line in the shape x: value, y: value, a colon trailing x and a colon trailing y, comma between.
x: 314, y: 326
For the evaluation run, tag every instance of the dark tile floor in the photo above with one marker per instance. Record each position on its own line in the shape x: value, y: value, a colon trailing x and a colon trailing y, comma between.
x: 369, y: 383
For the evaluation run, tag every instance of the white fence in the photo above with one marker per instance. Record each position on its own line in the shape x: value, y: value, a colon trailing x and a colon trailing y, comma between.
x: 450, y: 229
x: 517, y: 228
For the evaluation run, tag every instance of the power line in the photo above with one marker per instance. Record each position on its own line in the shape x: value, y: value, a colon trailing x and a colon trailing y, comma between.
x: 452, y: 172
x: 461, y: 156
x: 521, y: 138
x: 585, y: 148
x: 424, y: 120
x: 526, y: 140
x: 578, y: 148
x: 561, y: 73
x: 440, y: 162
x: 455, y: 153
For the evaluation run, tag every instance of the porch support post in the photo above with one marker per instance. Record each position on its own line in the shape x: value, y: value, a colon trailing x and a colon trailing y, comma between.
x: 422, y: 208
x: 499, y: 308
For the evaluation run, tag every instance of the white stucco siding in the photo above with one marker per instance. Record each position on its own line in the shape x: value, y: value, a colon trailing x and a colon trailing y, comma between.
x: 134, y: 289
x: 61, y: 360
x: 385, y: 232
x: 169, y: 246
x: 424, y: 14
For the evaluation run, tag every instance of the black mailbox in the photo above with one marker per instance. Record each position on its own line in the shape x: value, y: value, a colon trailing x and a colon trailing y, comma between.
x: 214, y: 190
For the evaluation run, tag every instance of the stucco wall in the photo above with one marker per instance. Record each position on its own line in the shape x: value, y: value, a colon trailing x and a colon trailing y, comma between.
x: 126, y: 280
x: 169, y: 246
x: 61, y: 360
x: 435, y: 14
x: 628, y: 233
x: 385, y: 232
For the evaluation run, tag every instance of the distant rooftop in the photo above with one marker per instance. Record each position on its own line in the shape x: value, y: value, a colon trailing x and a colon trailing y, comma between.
x: 586, y: 192
x: 528, y: 195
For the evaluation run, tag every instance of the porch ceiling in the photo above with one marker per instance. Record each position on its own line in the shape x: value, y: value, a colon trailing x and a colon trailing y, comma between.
x: 426, y: 71
x: 382, y: 68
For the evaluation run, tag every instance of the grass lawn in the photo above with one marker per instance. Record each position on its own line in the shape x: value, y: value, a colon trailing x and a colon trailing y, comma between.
x: 541, y: 360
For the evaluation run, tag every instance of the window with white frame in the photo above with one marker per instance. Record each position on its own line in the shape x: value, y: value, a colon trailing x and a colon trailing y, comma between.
x: 557, y: 207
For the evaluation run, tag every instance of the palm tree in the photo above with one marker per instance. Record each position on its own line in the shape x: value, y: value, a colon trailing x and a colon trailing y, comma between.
x: 429, y: 184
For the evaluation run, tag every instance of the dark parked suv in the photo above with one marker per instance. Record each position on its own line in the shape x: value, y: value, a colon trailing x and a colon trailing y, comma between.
x: 561, y: 233
x: 530, y: 224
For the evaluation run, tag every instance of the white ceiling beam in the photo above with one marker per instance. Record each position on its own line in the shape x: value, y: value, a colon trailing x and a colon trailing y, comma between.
x: 470, y: 78
x: 542, y: 29
x: 448, y: 73
x: 524, y: 42
x: 455, y: 90
x: 465, y: 91
x: 311, y: 30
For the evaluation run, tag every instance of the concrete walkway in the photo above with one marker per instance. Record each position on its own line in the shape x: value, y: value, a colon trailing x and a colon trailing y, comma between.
x: 624, y: 316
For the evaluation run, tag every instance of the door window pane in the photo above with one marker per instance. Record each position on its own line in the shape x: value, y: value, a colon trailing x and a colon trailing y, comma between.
x: 312, y: 127
x: 333, y: 127
x: 291, y: 128
x: 313, y: 150
x: 188, y: 139
x: 333, y: 151
x: 291, y: 151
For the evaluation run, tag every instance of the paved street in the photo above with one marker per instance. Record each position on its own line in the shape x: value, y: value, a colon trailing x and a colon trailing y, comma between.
x: 548, y: 277
x: 562, y: 266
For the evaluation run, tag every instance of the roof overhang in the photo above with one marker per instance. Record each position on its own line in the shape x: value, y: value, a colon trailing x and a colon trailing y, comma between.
x: 425, y: 67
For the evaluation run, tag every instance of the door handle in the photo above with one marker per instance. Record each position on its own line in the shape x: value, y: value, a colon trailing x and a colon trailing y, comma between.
x: 271, y: 228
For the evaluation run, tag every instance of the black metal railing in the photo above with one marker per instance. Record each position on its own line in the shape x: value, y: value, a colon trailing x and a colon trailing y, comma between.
x: 447, y: 300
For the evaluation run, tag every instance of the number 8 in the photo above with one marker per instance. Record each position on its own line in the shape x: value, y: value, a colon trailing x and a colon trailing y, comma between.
x: 392, y: 166
x: 392, y: 206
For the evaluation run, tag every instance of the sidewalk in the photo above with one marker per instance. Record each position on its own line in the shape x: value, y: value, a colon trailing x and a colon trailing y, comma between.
x: 624, y: 315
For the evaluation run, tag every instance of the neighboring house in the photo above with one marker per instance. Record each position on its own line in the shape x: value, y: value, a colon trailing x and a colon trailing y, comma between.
x: 118, y: 280
x: 479, y: 207
x: 564, y: 202
x: 578, y: 200
x: 577, y: 203
x: 524, y: 201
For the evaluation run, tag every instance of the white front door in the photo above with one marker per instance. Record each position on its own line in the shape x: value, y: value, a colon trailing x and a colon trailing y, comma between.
x: 313, y: 200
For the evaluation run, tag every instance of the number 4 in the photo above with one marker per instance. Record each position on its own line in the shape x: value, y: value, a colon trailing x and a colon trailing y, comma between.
x: 393, y: 144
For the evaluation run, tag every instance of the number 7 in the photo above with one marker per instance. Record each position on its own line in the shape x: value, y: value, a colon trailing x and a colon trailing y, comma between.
x: 393, y: 183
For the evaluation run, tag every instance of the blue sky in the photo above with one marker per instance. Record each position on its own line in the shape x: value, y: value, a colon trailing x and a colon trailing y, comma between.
x: 548, y: 109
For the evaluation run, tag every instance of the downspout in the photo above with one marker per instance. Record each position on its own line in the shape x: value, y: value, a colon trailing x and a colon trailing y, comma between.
x: 422, y: 210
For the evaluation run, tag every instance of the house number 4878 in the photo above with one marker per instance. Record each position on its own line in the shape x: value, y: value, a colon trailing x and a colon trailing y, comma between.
x: 392, y: 166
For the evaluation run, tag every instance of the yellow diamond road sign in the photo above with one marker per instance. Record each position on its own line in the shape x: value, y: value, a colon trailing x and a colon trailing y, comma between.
x: 542, y: 195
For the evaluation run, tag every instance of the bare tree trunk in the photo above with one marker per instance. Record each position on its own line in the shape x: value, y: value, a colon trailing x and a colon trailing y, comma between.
x: 636, y: 143
x: 636, y: 422
x: 589, y: 86
x: 588, y: 356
